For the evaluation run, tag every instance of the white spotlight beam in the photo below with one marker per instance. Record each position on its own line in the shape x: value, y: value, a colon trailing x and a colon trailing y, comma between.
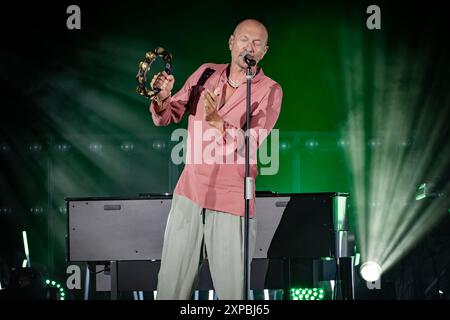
x: 25, y: 245
x: 385, y: 174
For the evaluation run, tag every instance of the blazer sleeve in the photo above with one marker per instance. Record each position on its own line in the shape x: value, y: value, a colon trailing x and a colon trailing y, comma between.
x: 174, y: 107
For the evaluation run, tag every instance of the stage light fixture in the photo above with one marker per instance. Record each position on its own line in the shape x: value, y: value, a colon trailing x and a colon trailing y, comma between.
x: 312, y: 143
x: 370, y: 271
x: 55, y: 291
x: 307, y: 294
x: 95, y: 147
x: 126, y: 146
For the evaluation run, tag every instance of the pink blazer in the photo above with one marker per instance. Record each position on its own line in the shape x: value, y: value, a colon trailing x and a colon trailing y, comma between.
x: 214, y: 172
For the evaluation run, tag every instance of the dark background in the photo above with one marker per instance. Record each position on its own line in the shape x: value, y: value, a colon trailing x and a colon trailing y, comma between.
x: 71, y: 124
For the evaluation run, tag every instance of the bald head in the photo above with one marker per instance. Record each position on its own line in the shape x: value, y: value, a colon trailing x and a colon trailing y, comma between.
x: 252, y: 24
x: 250, y: 36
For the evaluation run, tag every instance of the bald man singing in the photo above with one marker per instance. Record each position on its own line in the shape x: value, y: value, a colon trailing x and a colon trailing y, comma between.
x: 206, y: 217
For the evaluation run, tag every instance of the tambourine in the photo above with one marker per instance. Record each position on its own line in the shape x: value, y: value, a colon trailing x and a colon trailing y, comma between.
x: 144, y: 67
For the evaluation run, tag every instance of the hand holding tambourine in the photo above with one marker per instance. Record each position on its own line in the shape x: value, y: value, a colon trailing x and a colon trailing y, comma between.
x: 162, y: 83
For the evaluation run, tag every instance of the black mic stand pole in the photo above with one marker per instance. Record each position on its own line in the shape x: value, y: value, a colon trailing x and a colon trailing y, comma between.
x: 248, y: 184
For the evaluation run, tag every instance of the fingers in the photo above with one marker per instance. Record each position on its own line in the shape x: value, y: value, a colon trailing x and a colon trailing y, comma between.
x: 164, y: 84
x: 164, y: 76
x: 211, y: 96
x: 160, y: 81
x: 153, y: 81
x: 164, y: 81
x: 170, y: 78
x: 207, y: 105
x: 167, y: 77
x: 209, y: 100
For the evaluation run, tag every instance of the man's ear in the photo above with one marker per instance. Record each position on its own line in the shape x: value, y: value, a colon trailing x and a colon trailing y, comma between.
x: 230, y: 42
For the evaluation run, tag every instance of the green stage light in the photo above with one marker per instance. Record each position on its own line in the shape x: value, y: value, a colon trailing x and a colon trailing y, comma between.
x: 420, y: 193
x: 307, y: 294
x: 357, y: 259
x: 58, y: 287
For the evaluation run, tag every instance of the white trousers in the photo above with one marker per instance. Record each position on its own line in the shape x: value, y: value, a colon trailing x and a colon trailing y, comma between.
x: 219, y: 236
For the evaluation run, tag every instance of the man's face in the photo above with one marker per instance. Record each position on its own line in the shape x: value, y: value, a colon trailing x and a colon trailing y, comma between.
x: 248, y: 37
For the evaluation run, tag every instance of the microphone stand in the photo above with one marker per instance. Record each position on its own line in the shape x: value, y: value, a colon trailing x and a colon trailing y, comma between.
x: 248, y: 184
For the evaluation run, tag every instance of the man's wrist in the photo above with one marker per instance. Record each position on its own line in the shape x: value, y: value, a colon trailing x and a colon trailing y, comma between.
x: 160, y: 103
x: 158, y: 97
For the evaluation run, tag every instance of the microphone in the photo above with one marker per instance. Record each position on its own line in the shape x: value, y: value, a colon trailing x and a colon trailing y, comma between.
x: 248, y: 58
